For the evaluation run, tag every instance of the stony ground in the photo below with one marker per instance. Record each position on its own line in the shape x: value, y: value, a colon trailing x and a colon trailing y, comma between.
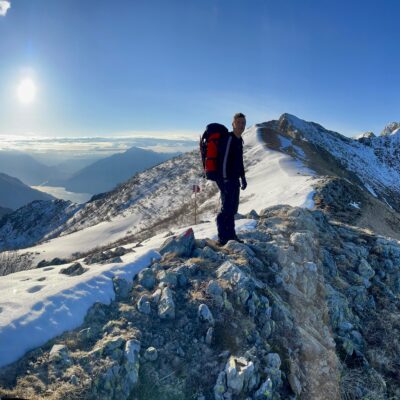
x: 304, y: 309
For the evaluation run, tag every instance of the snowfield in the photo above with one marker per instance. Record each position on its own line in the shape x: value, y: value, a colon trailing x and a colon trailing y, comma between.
x: 39, y: 304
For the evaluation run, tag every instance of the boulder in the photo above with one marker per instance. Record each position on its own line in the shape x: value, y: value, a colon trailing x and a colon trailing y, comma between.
x: 166, y: 306
x: 181, y: 245
x: 73, y: 270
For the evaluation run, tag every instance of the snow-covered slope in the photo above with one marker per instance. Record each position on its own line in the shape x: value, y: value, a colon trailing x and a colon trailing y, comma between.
x: 374, y: 161
x: 39, y: 304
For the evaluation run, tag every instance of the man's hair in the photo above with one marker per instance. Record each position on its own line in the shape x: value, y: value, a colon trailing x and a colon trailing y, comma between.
x: 239, y: 115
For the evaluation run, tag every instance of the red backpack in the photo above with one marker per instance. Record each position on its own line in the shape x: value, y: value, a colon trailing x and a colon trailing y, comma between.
x: 210, y: 149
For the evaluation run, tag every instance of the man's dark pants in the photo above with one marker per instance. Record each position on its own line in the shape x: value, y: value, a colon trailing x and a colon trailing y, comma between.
x: 229, y: 189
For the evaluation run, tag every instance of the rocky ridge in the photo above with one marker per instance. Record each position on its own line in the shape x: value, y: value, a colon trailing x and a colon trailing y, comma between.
x: 304, y: 308
x: 373, y: 163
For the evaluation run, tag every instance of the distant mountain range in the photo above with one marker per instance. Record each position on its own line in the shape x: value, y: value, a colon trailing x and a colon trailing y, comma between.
x: 24, y: 167
x: 15, y: 194
x: 103, y: 175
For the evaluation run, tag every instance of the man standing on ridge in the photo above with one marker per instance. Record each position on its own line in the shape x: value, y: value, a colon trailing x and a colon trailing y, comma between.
x: 231, y: 169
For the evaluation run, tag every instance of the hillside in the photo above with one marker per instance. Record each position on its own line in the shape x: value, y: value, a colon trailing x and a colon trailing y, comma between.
x: 25, y: 167
x: 15, y: 194
x: 304, y: 308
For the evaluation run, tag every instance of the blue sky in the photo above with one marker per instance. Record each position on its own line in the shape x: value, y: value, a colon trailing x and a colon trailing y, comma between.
x: 114, y: 67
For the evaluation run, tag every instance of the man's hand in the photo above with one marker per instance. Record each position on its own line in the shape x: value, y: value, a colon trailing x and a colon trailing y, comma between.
x: 244, y: 183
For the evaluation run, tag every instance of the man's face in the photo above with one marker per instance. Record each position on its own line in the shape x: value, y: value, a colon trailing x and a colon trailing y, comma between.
x: 239, y: 124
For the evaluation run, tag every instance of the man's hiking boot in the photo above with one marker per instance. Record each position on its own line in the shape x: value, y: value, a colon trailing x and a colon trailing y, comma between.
x: 237, y: 239
x: 222, y: 242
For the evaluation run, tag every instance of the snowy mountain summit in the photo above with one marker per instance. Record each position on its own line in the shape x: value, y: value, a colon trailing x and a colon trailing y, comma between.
x: 127, y: 298
x: 390, y: 129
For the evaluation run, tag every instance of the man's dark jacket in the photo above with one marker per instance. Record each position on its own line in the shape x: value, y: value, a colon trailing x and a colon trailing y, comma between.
x: 230, y: 165
x: 230, y: 169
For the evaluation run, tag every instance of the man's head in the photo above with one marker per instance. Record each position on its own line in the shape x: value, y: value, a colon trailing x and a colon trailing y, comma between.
x: 238, y: 124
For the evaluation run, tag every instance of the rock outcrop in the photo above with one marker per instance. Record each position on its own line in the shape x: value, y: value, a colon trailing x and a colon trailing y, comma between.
x: 305, y: 308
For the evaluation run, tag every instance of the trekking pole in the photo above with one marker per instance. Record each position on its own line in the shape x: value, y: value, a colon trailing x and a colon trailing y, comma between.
x: 195, y: 208
x: 196, y: 189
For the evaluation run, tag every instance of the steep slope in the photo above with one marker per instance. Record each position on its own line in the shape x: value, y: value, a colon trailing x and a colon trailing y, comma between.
x: 15, y: 194
x: 31, y: 223
x: 103, y: 175
x: 4, y: 211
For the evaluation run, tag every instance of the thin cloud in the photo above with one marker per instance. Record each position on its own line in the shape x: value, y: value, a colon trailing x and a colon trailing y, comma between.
x: 4, y: 6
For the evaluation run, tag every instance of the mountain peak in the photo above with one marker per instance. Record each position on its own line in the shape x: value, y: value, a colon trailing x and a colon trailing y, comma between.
x: 390, y: 129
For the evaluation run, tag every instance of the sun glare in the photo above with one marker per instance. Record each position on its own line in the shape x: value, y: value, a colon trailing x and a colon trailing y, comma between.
x: 26, y: 91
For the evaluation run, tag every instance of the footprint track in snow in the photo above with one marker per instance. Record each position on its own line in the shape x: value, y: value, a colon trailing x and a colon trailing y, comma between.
x: 35, y: 289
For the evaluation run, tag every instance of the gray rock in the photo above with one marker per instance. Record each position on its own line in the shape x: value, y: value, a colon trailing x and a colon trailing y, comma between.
x: 122, y: 287
x: 239, y: 372
x: 102, y: 257
x: 329, y: 263
x: 131, y: 353
x: 120, y: 251
x: 197, y: 253
x: 303, y: 243
x: 253, y: 215
x: 59, y: 354
x: 205, y: 314
x: 239, y: 248
x: 110, y: 345
x: 236, y: 276
x: 265, y: 391
x: 155, y: 297
x: 365, y: 270
x: 214, y: 288
x: 209, y: 335
x: 345, y: 326
x: 86, y: 334
x: 112, y: 260
x: 151, y: 354
x: 211, y: 255
x: 273, y: 360
x: 146, y: 278
x: 166, y: 306
x: 182, y: 274
x: 73, y: 270
x: 168, y: 277
x: 220, y: 386
x: 143, y: 305
x: 181, y: 245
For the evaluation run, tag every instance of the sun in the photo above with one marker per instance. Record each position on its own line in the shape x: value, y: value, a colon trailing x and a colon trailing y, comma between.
x: 26, y: 91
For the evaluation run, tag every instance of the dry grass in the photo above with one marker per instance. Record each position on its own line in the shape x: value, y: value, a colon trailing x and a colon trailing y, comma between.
x: 11, y: 261
x: 357, y: 384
